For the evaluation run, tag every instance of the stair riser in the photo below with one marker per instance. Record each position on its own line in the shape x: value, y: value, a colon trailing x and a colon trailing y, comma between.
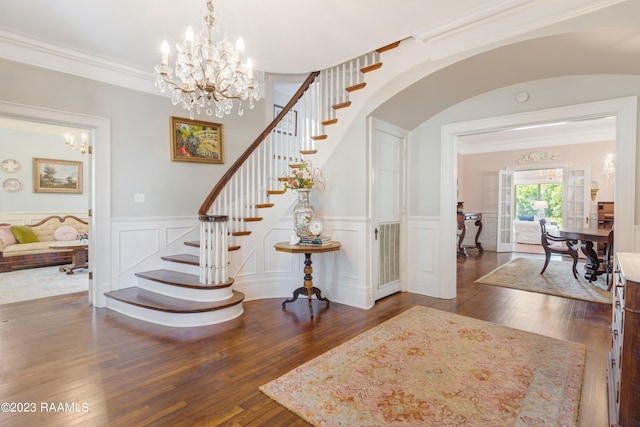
x: 179, y: 320
x: 181, y: 267
x: 190, y: 294
x: 191, y: 250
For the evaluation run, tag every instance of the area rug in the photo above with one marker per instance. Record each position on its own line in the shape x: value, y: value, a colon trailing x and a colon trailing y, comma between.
x: 524, y: 273
x: 32, y: 283
x: 427, y: 367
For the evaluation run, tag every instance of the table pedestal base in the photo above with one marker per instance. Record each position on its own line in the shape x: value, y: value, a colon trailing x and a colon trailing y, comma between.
x: 78, y: 261
x: 308, y: 289
x: 592, y: 264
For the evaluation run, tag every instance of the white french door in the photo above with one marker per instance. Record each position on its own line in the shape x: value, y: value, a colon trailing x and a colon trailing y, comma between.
x: 505, y: 211
x: 576, y: 197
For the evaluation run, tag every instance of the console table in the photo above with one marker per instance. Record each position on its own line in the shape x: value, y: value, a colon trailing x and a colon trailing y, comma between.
x: 78, y: 256
x: 307, y: 289
x: 463, y: 218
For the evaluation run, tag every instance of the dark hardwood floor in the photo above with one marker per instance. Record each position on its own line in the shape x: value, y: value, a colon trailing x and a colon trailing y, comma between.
x: 122, y: 372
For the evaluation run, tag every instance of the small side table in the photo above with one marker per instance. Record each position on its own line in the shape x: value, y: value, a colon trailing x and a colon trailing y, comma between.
x: 308, y: 289
x: 78, y: 256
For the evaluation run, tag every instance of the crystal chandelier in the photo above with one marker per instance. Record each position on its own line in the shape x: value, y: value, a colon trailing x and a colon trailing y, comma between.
x: 609, y: 167
x: 209, y: 75
x: 550, y: 173
x: 72, y: 144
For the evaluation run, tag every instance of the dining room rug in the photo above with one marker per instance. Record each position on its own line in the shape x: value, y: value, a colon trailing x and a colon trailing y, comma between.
x: 524, y: 274
x: 33, y: 283
x: 432, y: 368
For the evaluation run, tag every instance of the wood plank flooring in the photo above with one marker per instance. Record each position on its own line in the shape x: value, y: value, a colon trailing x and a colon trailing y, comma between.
x: 60, y: 350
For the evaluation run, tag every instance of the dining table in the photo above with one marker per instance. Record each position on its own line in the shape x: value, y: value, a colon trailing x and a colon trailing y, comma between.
x: 587, y: 238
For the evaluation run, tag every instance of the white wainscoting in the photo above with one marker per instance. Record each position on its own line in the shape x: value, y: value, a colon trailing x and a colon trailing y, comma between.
x: 424, y: 255
x: 138, y: 245
x: 258, y: 270
x: 262, y: 272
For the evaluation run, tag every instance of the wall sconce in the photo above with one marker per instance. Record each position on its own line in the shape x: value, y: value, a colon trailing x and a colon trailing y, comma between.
x: 594, y: 190
x: 72, y: 144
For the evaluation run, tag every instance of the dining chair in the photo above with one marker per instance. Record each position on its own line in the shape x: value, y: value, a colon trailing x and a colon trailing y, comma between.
x: 569, y: 248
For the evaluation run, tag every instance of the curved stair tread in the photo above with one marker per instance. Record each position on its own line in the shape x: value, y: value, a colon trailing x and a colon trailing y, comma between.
x: 182, y: 258
x: 184, y: 280
x: 153, y: 301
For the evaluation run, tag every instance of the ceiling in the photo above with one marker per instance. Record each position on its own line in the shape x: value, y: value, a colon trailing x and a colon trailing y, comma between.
x: 298, y: 36
x: 287, y: 36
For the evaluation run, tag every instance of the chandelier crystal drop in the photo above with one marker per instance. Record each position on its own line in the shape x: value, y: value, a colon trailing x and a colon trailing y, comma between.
x: 209, y: 75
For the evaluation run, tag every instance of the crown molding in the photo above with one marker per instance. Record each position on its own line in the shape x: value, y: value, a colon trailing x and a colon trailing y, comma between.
x: 499, y: 20
x: 16, y: 47
x: 547, y: 140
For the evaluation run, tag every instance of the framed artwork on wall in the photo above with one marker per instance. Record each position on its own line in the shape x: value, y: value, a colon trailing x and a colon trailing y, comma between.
x: 196, y: 141
x: 289, y: 124
x: 57, y: 176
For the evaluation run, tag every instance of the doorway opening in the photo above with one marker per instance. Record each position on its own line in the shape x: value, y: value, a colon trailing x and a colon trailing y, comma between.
x: 99, y: 176
x: 51, y: 173
x: 625, y: 112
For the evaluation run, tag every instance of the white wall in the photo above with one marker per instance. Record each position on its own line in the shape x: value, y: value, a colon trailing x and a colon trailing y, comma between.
x: 544, y: 94
x: 140, y: 144
x: 23, y: 146
x: 478, y: 176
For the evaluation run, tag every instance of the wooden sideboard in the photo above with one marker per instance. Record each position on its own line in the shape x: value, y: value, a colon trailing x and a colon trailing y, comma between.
x: 623, y: 368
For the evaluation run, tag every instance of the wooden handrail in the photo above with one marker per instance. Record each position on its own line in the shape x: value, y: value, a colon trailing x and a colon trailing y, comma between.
x: 217, y: 189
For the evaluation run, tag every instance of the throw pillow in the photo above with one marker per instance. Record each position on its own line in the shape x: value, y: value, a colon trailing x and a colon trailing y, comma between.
x: 24, y: 234
x: 6, y: 236
x: 66, y: 233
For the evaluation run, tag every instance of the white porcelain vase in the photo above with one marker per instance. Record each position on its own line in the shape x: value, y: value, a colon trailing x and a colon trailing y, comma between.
x: 303, y: 212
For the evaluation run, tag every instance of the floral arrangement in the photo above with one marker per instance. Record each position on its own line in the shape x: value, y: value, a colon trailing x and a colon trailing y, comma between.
x: 304, y: 176
x: 83, y: 236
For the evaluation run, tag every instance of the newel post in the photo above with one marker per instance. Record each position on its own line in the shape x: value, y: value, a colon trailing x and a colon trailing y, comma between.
x: 213, y: 249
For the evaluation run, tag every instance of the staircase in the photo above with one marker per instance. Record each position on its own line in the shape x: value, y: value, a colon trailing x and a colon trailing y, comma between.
x: 193, y: 288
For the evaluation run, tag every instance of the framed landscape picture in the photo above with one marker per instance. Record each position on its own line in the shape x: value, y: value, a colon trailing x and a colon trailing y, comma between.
x: 57, y: 176
x: 196, y: 141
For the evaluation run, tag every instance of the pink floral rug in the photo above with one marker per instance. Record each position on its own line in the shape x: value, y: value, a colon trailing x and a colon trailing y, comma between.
x: 427, y: 367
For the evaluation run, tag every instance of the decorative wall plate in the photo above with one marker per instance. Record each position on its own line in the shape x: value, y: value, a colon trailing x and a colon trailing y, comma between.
x: 10, y: 166
x: 12, y: 185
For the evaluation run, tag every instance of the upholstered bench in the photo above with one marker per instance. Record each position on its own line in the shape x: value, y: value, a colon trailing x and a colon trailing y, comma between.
x: 28, y: 246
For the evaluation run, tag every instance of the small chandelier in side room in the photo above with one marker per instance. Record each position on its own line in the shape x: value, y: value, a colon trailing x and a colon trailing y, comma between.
x: 209, y: 75
x: 609, y: 167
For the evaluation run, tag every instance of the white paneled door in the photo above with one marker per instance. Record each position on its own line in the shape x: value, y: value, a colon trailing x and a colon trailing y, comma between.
x: 387, y: 208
